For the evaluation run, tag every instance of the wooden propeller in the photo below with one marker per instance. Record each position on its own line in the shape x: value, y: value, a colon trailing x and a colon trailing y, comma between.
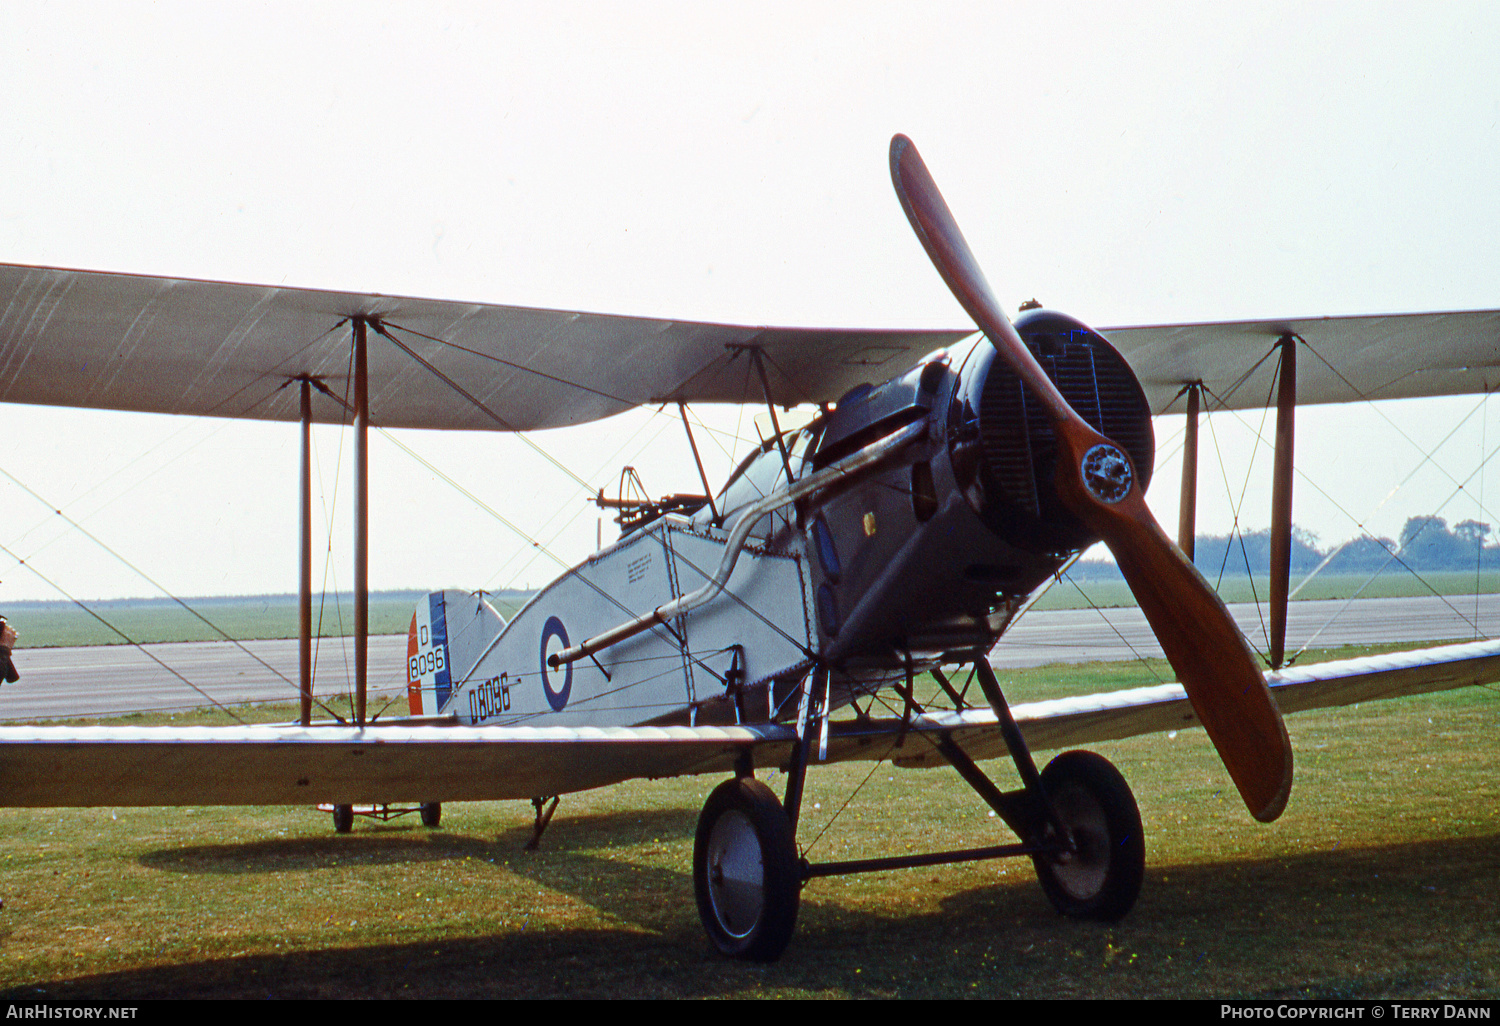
x: 1098, y: 484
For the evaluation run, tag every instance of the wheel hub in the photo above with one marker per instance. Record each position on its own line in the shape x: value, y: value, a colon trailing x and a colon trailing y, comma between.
x: 736, y: 874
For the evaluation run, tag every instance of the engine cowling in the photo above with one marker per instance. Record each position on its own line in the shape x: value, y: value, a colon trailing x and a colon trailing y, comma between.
x: 1002, y: 445
x: 935, y: 553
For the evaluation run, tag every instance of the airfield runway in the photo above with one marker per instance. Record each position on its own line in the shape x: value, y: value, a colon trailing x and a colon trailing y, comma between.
x: 1089, y: 635
x: 59, y: 683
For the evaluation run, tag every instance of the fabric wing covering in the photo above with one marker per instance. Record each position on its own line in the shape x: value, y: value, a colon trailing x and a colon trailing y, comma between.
x: 291, y: 765
x: 168, y: 345
x: 172, y: 345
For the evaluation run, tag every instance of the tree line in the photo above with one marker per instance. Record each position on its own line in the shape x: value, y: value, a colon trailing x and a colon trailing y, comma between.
x: 1426, y: 543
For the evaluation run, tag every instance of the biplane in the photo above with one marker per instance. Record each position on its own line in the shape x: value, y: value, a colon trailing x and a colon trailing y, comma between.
x: 938, y: 480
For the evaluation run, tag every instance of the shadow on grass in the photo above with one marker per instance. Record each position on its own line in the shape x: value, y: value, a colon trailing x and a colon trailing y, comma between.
x: 1412, y: 920
x: 398, y: 842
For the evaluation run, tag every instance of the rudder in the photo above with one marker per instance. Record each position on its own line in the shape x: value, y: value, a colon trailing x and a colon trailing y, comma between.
x: 450, y: 631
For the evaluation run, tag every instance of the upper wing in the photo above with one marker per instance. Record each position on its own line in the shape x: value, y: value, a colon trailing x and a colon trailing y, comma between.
x: 171, y: 345
x: 1396, y: 356
x: 262, y: 765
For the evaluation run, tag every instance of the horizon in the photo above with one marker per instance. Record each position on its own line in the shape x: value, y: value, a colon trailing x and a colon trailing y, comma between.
x: 1085, y: 562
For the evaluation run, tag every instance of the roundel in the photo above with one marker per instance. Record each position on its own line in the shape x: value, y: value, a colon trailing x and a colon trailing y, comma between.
x: 556, y: 697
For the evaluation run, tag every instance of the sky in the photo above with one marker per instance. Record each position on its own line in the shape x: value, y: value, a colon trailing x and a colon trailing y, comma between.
x: 1127, y: 163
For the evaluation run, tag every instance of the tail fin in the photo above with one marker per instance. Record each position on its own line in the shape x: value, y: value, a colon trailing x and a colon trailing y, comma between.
x: 450, y: 632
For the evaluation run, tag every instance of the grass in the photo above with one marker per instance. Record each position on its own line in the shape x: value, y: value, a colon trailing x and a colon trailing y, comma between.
x: 243, y: 618
x: 1393, y: 584
x: 54, y: 624
x: 1378, y: 882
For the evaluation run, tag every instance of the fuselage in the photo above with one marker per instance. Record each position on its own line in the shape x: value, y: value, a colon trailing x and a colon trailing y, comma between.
x: 921, y: 560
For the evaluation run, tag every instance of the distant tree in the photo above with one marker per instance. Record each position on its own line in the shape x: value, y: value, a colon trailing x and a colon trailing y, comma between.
x: 1419, y: 529
x: 1361, y: 555
x: 1426, y: 543
x: 1304, y: 538
x: 1235, y: 555
x: 1472, y: 533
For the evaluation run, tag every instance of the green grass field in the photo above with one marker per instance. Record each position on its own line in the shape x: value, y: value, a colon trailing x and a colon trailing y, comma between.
x: 1066, y: 595
x: 243, y: 618
x: 52, y: 624
x: 1379, y: 881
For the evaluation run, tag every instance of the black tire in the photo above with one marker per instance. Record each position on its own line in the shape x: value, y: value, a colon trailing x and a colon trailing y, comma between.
x: 1102, y: 878
x: 343, y: 818
x: 432, y: 813
x: 746, y: 874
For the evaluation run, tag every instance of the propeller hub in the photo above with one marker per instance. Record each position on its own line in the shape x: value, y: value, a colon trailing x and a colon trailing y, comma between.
x: 1106, y: 473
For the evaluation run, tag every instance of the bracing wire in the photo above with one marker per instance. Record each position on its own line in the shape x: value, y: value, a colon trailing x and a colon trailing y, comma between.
x: 127, y: 638
x: 1428, y: 457
x: 480, y: 405
x: 328, y: 569
x: 1137, y: 655
x: 1237, y: 503
x: 466, y: 493
x: 119, y: 557
x: 1484, y: 424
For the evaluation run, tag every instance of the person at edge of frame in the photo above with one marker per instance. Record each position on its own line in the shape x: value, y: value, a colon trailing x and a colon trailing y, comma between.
x: 7, y: 642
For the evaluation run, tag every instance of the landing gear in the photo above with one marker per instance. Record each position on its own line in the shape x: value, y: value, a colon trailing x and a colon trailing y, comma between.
x: 746, y: 873
x: 1076, y: 820
x: 343, y: 815
x: 1099, y: 875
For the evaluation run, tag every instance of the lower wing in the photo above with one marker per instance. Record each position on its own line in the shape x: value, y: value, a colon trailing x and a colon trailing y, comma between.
x: 292, y: 765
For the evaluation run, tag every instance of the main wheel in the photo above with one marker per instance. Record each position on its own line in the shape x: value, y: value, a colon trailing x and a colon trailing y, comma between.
x: 432, y: 813
x: 343, y: 818
x: 745, y: 871
x: 1100, y: 877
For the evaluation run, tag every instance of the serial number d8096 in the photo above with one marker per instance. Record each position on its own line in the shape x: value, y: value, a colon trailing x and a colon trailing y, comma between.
x: 423, y: 663
x: 489, y: 698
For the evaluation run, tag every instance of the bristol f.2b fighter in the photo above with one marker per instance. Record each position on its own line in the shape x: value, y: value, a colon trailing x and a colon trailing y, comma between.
x: 896, y: 532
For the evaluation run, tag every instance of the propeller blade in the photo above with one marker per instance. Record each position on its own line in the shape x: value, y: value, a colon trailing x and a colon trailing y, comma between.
x: 1099, y: 485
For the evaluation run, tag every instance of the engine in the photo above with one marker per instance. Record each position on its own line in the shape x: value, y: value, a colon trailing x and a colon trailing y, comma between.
x: 935, y: 555
x: 1001, y: 444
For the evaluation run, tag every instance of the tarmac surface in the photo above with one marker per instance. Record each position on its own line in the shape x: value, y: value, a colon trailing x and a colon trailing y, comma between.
x: 61, y: 683
x: 1089, y: 635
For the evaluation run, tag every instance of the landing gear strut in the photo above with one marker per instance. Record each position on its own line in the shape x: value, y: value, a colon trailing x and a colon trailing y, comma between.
x: 1076, y: 820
